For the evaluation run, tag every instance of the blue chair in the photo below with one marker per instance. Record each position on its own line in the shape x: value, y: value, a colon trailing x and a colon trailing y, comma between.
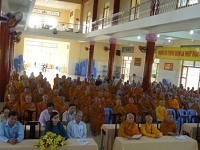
x: 191, y: 112
x: 108, y: 112
x: 173, y: 112
x: 182, y: 117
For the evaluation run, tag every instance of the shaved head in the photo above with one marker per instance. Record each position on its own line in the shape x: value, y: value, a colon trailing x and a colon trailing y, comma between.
x: 130, y: 118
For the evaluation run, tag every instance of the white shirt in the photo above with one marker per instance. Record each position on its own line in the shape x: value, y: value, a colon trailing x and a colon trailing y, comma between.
x: 75, y: 130
x: 68, y: 117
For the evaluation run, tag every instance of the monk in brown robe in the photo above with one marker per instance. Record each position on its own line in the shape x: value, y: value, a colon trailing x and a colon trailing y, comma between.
x: 37, y: 95
x: 28, y: 105
x: 119, y: 109
x: 55, y: 82
x: 85, y: 106
x: 27, y: 91
x: 146, y: 108
x: 168, y: 127
x: 128, y: 128
x: 97, y: 116
x: 14, y: 106
x: 108, y: 100
x: 61, y: 106
x: 42, y: 105
x: 56, y: 97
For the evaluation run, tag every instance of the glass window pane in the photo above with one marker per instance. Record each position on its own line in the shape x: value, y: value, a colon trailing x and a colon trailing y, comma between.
x: 197, y: 63
x: 184, y: 72
x: 183, y: 80
x: 188, y: 63
x: 156, y: 60
x: 125, y: 58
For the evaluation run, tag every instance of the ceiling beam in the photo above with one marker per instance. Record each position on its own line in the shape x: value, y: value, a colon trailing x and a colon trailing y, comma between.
x: 183, y: 35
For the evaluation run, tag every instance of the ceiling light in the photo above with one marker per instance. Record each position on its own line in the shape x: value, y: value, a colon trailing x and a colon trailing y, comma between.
x: 158, y: 35
x: 169, y: 40
x: 139, y: 37
x: 191, y: 31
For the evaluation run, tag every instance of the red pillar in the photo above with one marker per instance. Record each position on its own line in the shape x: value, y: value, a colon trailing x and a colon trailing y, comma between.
x: 151, y: 39
x: 6, y: 53
x: 91, y: 53
x: 112, y: 42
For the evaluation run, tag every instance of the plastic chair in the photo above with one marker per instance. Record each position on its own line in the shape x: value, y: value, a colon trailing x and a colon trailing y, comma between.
x: 191, y: 112
x: 32, y: 131
x: 182, y: 117
x: 108, y: 117
x: 173, y: 112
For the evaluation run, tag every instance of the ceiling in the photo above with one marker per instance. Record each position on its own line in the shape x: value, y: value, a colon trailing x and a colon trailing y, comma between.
x: 168, y: 33
x: 57, y: 4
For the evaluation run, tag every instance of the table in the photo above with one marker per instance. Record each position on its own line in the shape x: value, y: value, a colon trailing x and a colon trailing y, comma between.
x: 190, y: 128
x: 108, y: 136
x: 163, y: 143
x: 72, y: 144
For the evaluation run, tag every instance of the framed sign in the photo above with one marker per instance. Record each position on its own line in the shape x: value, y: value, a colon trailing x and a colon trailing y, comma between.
x: 46, y: 12
x: 127, y: 49
x: 137, y: 62
x: 168, y: 66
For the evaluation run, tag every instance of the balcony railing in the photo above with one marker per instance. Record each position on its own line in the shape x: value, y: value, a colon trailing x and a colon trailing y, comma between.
x: 143, y: 10
x: 147, y: 9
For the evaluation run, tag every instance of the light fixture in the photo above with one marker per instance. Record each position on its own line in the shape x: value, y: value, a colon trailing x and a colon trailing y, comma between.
x: 138, y: 37
x: 191, y: 31
x: 158, y: 35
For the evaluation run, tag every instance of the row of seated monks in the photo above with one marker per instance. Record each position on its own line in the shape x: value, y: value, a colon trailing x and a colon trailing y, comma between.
x: 32, y: 93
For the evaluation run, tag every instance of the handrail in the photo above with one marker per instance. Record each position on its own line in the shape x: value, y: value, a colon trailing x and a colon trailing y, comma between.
x: 146, y: 9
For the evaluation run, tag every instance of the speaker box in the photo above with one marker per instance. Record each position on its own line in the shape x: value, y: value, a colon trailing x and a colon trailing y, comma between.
x: 118, y: 52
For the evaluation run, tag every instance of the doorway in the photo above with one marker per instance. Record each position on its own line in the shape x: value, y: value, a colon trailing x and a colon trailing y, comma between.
x: 126, y: 68
x: 190, y: 75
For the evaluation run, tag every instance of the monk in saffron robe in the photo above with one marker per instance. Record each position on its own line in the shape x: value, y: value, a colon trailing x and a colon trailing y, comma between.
x: 42, y: 105
x: 131, y: 107
x: 28, y: 105
x: 12, y: 104
x: 161, y: 111
x: 128, y: 128
x: 168, y: 127
x: 149, y: 129
x: 173, y: 103
x: 97, y: 116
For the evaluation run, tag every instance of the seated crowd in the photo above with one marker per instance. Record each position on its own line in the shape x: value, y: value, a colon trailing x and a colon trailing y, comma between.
x: 33, y: 98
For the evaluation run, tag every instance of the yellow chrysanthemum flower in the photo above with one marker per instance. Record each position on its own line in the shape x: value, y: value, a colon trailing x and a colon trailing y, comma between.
x: 50, y: 140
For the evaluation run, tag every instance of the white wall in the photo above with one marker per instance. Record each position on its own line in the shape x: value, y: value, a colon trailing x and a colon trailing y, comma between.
x: 171, y: 76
